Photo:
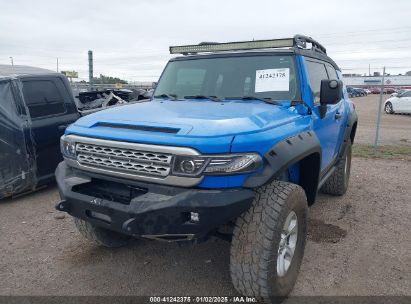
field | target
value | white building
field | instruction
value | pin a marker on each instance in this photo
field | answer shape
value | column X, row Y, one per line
column 397, row 81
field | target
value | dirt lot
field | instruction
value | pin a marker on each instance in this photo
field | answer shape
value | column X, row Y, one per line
column 359, row 244
column 394, row 129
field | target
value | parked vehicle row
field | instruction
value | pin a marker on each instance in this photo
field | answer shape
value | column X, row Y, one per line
column 377, row 90
column 359, row 92
column 356, row 92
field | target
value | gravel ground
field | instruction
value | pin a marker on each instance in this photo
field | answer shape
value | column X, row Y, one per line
column 395, row 129
column 358, row 244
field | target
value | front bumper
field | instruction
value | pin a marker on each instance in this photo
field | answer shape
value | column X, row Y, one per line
column 144, row 209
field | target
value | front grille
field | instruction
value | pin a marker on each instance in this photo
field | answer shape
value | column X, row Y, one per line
column 124, row 160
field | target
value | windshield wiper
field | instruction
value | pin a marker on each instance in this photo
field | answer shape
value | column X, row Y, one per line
column 169, row 96
column 213, row 98
column 266, row 100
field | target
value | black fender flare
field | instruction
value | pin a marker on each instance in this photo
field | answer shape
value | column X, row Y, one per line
column 303, row 146
column 350, row 124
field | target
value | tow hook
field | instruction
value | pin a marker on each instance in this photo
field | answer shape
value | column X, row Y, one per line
column 63, row 206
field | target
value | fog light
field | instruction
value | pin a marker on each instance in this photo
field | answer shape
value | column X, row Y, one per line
column 194, row 217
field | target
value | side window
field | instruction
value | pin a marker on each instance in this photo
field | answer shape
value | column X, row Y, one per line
column 406, row 94
column 332, row 73
column 42, row 98
column 316, row 73
column 7, row 101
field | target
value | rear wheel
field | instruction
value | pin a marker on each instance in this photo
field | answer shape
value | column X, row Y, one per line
column 101, row 236
column 268, row 242
column 337, row 183
column 388, row 108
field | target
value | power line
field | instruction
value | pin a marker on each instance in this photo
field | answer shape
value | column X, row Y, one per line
column 367, row 50
column 378, row 68
column 403, row 28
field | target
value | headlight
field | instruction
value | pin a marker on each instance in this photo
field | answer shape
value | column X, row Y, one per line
column 68, row 148
column 216, row 165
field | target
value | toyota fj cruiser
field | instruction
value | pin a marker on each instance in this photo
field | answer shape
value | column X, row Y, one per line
column 236, row 142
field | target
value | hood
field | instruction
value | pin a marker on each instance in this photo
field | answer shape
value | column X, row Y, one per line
column 192, row 118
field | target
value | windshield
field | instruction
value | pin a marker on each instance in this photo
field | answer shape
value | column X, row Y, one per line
column 262, row 76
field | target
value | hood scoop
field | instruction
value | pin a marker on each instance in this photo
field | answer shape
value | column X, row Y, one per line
column 139, row 128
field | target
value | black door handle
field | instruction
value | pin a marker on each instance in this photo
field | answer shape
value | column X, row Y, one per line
column 338, row 115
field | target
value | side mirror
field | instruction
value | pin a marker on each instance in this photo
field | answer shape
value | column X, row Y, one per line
column 331, row 93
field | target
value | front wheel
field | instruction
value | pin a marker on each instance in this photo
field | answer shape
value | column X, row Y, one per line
column 388, row 108
column 268, row 242
column 101, row 236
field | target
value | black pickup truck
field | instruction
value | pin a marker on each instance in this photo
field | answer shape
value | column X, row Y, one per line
column 36, row 106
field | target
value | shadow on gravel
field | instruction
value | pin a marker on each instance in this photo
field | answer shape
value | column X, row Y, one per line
column 28, row 194
column 90, row 254
column 320, row 232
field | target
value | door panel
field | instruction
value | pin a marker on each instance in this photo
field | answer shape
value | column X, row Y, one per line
column 16, row 168
column 405, row 102
column 51, row 109
column 328, row 129
column 399, row 104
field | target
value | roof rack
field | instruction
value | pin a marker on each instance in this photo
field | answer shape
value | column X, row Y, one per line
column 298, row 41
column 301, row 42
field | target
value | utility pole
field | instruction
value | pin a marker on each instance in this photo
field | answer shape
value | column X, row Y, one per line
column 90, row 68
column 11, row 58
column 57, row 64
column 377, row 131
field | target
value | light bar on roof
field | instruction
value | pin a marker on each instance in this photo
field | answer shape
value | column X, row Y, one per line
column 232, row 46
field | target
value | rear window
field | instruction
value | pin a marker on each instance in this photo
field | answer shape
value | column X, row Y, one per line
column 43, row 98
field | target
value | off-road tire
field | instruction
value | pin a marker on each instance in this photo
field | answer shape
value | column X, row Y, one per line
column 256, row 237
column 101, row 236
column 388, row 108
column 337, row 183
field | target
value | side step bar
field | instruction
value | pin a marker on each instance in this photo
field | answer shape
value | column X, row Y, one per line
column 170, row 237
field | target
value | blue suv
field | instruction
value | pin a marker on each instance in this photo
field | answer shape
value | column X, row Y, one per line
column 236, row 141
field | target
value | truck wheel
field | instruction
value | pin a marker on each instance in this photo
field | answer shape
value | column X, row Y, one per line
column 101, row 236
column 269, row 240
column 337, row 183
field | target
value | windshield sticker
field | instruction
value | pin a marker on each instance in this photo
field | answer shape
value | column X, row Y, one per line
column 272, row 80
